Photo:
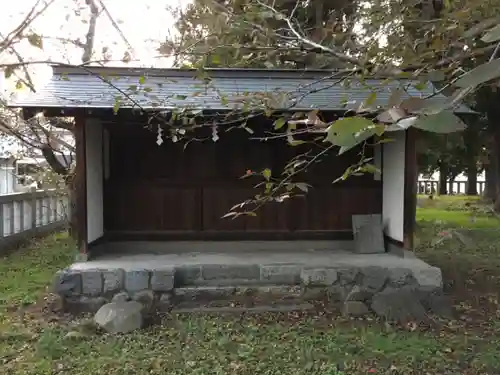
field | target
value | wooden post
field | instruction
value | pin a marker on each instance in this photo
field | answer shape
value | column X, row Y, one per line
column 33, row 211
column 80, row 188
column 410, row 194
column 2, row 219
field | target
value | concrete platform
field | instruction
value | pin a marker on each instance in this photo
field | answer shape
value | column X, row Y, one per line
column 167, row 276
column 305, row 258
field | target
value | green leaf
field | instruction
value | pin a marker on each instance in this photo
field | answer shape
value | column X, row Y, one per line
column 481, row 74
column 302, row 186
column 443, row 122
column 343, row 132
column 35, row 40
column 181, row 97
column 19, row 85
column 142, row 80
column 492, row 35
column 371, row 98
column 296, row 142
column 279, row 123
column 126, row 57
column 420, row 86
column 116, row 105
column 9, row 70
column 148, row 89
column 266, row 173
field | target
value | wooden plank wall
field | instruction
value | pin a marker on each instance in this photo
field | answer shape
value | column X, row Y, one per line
column 172, row 188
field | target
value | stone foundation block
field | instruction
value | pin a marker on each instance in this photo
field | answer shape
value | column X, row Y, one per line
column 162, row 280
column 286, row 274
column 136, row 280
column 164, row 303
column 92, row 283
column 373, row 278
column 337, row 293
column 312, row 293
column 399, row 277
column 246, row 272
column 84, row 304
column 67, row 283
column 399, row 305
column 355, row 308
column 188, row 275
column 348, row 276
column 319, row 276
column 113, row 280
column 205, row 292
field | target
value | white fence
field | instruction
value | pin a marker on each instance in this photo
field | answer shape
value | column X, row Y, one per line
column 26, row 215
column 455, row 187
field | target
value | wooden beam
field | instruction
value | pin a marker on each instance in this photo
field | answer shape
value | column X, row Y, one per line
column 410, row 189
column 80, row 186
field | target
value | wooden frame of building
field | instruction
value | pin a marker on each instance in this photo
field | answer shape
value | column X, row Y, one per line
column 129, row 188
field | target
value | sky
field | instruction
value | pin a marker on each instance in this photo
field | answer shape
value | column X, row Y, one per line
column 145, row 23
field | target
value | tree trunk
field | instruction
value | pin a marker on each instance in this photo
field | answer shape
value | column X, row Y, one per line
column 443, row 173
column 471, row 141
column 491, row 177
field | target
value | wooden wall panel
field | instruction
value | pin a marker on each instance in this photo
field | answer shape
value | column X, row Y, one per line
column 218, row 200
column 173, row 188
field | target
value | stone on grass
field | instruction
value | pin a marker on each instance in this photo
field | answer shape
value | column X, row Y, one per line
column 398, row 305
column 146, row 298
column 121, row 297
column 120, row 317
column 438, row 304
column 355, row 308
column 83, row 304
column 164, row 303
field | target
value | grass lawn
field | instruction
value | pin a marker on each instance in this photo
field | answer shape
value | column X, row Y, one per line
column 34, row 341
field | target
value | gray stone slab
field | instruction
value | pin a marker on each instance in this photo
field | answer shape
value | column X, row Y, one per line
column 113, row 280
column 136, row 280
column 228, row 271
column 188, row 274
column 240, row 309
column 204, row 292
column 373, row 278
column 67, row 283
column 348, row 276
column 286, row 274
column 359, row 221
column 319, row 276
column 355, row 308
column 92, row 283
column 368, row 234
column 162, row 280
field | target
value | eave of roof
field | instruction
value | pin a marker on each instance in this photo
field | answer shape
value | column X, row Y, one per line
column 98, row 88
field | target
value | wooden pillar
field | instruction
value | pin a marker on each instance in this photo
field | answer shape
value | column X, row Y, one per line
column 80, row 188
column 410, row 194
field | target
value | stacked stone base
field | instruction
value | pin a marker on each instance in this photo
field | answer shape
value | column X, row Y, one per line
column 395, row 294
